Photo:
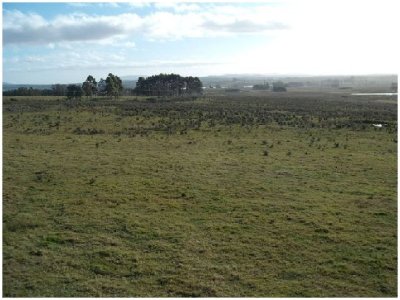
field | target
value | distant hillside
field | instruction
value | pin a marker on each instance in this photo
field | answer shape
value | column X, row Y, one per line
column 11, row 86
column 131, row 77
column 383, row 82
column 129, row 84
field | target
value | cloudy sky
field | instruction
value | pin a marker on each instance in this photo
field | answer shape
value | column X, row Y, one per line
column 65, row 42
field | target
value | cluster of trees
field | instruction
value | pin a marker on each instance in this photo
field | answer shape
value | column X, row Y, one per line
column 24, row 91
column 89, row 86
column 56, row 90
column 156, row 85
column 111, row 87
column 277, row 86
column 168, row 85
column 264, row 86
column 74, row 91
column 59, row 89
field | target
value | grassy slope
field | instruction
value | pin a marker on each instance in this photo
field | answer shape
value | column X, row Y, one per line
column 200, row 214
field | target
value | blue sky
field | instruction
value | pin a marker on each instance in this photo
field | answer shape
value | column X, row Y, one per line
column 65, row 42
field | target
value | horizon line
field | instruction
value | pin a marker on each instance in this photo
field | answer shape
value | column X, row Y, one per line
column 288, row 75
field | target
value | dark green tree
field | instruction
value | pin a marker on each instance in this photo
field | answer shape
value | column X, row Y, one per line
column 264, row 86
column 89, row 87
column 59, row 89
column 279, row 86
column 113, row 85
column 168, row 85
column 74, row 91
column 193, row 85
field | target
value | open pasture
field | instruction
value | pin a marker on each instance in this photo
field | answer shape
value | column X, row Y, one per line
column 290, row 194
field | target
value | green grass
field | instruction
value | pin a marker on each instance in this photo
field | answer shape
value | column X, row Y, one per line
column 203, row 213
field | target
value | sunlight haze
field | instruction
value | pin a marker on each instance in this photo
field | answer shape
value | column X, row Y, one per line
column 63, row 42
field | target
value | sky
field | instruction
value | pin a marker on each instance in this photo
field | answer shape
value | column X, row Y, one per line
column 45, row 43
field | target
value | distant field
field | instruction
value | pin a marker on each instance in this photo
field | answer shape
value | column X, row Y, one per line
column 289, row 195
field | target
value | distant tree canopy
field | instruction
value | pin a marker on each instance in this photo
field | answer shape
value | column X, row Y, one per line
column 89, row 86
column 24, row 91
column 168, row 85
column 113, row 85
column 74, row 91
column 56, row 90
column 59, row 89
column 156, row 85
column 264, row 86
column 101, row 87
column 278, row 86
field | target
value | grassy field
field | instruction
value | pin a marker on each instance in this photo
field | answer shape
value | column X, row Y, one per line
column 269, row 195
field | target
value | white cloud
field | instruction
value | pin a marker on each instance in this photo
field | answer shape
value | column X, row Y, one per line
column 335, row 37
column 34, row 59
column 14, row 19
column 20, row 28
column 89, row 4
column 243, row 26
column 33, row 29
column 87, row 61
column 169, row 26
column 109, row 4
column 303, row 36
column 127, row 45
column 139, row 4
column 177, row 7
column 78, row 4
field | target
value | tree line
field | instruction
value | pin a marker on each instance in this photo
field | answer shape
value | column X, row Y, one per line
column 277, row 86
column 111, row 86
column 168, row 85
column 156, row 85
